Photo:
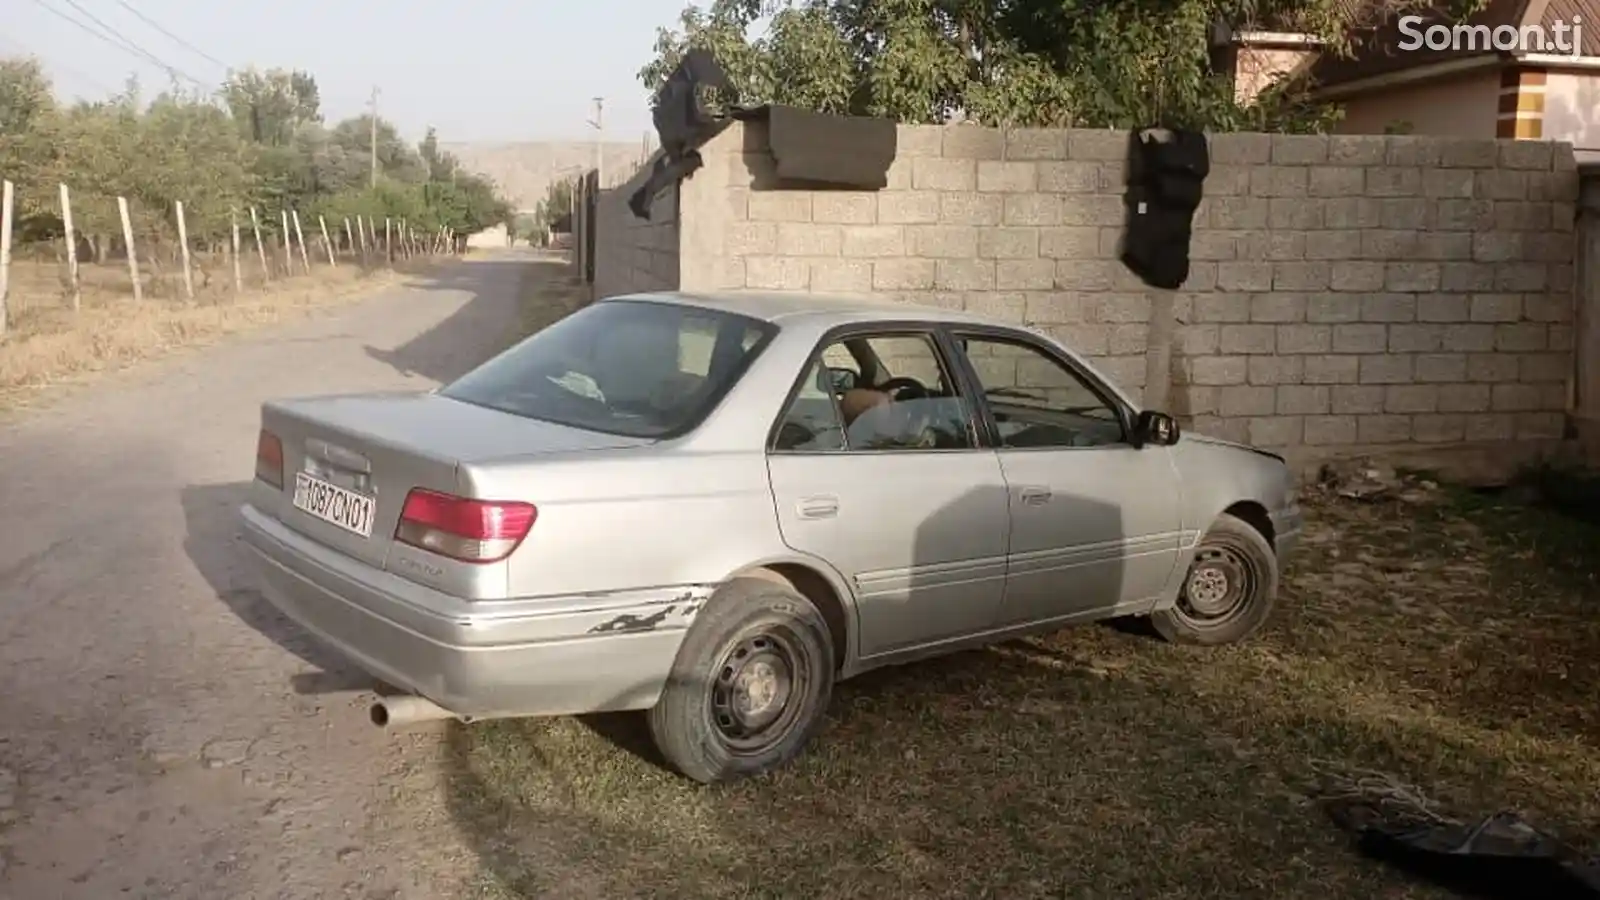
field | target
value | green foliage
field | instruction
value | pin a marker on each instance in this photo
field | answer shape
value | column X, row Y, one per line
column 1050, row 63
column 260, row 142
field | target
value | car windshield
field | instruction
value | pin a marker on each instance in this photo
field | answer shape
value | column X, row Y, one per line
column 624, row 367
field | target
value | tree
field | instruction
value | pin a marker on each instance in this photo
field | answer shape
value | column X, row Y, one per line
column 1086, row 63
column 269, row 106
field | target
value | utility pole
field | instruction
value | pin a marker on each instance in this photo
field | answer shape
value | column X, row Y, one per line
column 374, row 147
column 598, row 124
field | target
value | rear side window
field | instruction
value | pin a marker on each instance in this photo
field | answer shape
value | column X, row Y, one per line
column 623, row 367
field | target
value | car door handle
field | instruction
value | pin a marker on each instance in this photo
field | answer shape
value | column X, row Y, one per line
column 818, row 507
column 1035, row 496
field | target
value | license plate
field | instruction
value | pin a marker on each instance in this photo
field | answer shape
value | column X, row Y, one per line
column 333, row 504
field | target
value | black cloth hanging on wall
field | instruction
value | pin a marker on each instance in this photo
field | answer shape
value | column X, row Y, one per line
column 1165, row 184
column 682, row 125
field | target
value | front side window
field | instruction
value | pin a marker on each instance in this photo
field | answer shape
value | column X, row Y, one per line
column 622, row 367
column 877, row 392
column 1036, row 400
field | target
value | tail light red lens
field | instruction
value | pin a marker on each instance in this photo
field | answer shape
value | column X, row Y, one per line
column 474, row 531
column 269, row 459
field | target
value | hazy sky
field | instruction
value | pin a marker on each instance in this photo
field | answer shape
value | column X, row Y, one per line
column 476, row 70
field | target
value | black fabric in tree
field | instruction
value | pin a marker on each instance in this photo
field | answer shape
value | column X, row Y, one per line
column 1165, row 184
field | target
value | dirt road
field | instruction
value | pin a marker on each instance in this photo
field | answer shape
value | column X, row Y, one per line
column 163, row 733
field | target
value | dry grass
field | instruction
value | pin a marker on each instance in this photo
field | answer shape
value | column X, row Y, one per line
column 1454, row 645
column 47, row 343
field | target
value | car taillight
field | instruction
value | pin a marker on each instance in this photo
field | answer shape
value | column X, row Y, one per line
column 269, row 459
column 475, row 531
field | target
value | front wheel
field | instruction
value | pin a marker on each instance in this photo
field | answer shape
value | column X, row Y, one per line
column 750, row 684
column 1229, row 591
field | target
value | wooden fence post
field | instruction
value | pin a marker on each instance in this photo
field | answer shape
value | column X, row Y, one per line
column 288, row 253
column 261, row 249
column 238, row 269
column 183, row 250
column 7, row 204
column 349, row 236
column 388, row 245
column 71, row 236
column 305, row 259
column 361, row 234
column 322, row 222
column 133, row 254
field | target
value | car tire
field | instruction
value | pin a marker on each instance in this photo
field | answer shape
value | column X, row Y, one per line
column 750, row 685
column 1229, row 590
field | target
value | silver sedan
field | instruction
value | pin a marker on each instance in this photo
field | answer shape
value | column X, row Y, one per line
column 714, row 507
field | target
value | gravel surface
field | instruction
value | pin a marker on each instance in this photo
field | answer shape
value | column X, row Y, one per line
column 166, row 733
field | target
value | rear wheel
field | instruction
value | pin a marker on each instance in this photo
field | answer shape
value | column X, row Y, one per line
column 750, row 684
column 1229, row 591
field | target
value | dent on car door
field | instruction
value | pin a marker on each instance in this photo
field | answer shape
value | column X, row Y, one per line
column 1094, row 520
column 895, row 494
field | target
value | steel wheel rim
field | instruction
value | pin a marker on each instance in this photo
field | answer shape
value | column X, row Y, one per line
column 1221, row 582
column 757, row 691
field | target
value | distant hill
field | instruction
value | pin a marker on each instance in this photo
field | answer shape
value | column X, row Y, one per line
column 525, row 169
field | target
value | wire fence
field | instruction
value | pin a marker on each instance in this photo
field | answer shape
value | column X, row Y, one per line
column 72, row 251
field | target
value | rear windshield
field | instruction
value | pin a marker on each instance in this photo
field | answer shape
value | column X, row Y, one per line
column 621, row 367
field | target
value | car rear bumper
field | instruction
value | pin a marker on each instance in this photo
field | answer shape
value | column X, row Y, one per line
column 543, row 656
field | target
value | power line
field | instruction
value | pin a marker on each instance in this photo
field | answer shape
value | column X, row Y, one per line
column 110, row 36
column 55, row 64
column 175, row 39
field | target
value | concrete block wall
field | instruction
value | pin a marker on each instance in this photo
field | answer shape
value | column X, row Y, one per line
column 634, row 254
column 1345, row 291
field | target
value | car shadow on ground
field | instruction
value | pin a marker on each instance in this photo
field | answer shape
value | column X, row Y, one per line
column 213, row 542
column 510, row 296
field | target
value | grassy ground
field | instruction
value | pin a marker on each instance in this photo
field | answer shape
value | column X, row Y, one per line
column 1454, row 644
column 47, row 343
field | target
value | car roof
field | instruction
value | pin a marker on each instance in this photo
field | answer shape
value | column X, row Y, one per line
column 777, row 306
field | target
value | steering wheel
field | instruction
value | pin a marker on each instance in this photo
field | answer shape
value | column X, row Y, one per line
column 903, row 387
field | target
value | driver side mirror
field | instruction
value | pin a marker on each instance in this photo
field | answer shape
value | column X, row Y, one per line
column 1155, row 428
column 841, row 379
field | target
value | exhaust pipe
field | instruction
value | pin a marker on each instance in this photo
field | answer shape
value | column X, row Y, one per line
column 407, row 709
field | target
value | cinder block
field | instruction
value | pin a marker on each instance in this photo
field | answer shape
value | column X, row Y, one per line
column 1444, row 245
column 1121, row 308
column 840, row 275
column 1548, row 307
column 1050, row 306
column 941, row 174
column 1441, row 308
column 1388, row 308
column 1468, row 153
column 1332, row 369
column 1008, row 243
column 1514, row 397
column 844, row 207
column 751, row 238
column 1090, row 209
column 1535, row 155
column 1025, row 274
column 1247, row 400
column 873, row 240
column 1239, row 213
column 1360, row 338
column 1337, row 181
column 1228, row 180
column 1301, row 276
column 973, row 142
column 1337, row 245
column 1501, row 184
column 1249, row 339
column 1220, row 370
column 1383, row 429
column 1540, row 426
column 1491, row 427
column 1463, row 398
column 780, row 206
column 1439, row 368
column 1299, row 149
column 1276, row 431
column 964, row 275
column 1036, row 143
column 1304, row 399
column 1544, row 367
column 970, row 208
column 1441, row 183
column 1069, row 242
column 1394, row 181
column 908, row 207
column 1413, row 338
column 1463, row 215
column 1411, row 398
column 1357, row 149
column 1068, row 177
column 1333, row 308
column 1244, row 276
column 1520, row 215
column 1492, row 367
column 1274, row 181
column 918, row 140
column 1097, row 144
column 1412, row 151
column 783, row 273
column 1353, row 276
column 1438, row 428
column 1405, row 214
column 808, row 239
column 1031, row 209
column 1198, row 340
column 1497, row 246
column 902, row 274
column 1088, row 275
column 1278, row 308
column 1386, row 369
column 1300, row 339
column 1496, row 308
column 1299, row 214
column 1383, row 243
column 1561, row 337
column 943, row 241
column 1349, row 399
column 1330, row 430
column 1277, row 369
column 1352, row 212
column 1223, row 307
column 1274, row 246
column 1521, row 337
column 1007, row 307
column 1522, row 277
column 1241, row 148
column 1469, row 338
column 1007, row 177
